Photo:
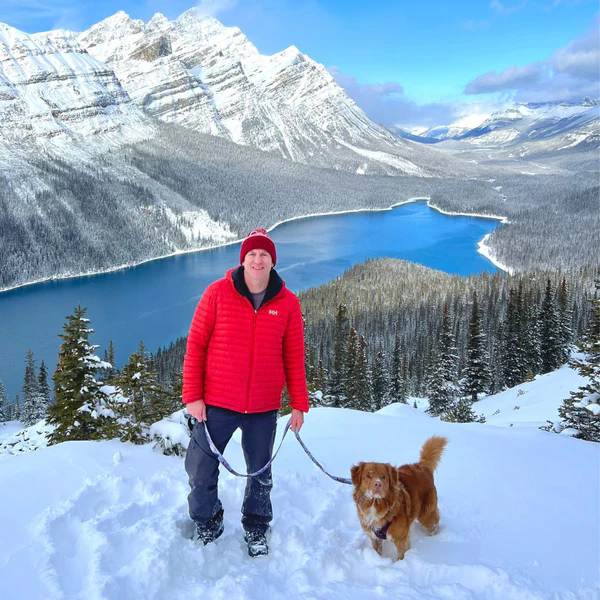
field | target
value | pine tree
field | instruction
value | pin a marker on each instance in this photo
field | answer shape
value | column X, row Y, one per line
column 395, row 392
column 363, row 378
column 443, row 387
column 137, row 402
column 78, row 412
column 514, row 359
column 341, row 331
column 461, row 412
column 581, row 412
column 565, row 317
column 379, row 383
column 531, row 339
column 550, row 332
column 40, row 402
column 30, row 392
column 109, row 372
column 350, row 392
column 3, row 403
column 477, row 373
column 404, row 382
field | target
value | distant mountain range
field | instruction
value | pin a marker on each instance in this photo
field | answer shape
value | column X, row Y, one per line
column 569, row 124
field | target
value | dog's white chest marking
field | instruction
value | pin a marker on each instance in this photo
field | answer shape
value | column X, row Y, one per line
column 370, row 516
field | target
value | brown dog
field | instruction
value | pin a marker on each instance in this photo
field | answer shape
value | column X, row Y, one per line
column 388, row 499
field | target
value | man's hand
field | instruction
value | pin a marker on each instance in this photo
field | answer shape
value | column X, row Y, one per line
column 297, row 419
column 197, row 410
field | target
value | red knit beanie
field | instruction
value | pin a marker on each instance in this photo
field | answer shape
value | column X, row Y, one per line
column 258, row 240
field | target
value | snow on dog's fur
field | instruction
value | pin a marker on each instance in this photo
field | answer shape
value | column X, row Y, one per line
column 388, row 499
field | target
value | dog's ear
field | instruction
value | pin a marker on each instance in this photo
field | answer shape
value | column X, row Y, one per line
column 356, row 473
column 393, row 475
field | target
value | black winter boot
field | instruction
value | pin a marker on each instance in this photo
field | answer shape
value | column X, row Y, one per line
column 257, row 543
column 208, row 532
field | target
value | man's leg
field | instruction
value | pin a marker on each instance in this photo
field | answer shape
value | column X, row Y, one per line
column 258, row 438
column 202, row 465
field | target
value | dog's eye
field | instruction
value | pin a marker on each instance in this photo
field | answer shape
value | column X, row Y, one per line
column 383, row 477
column 368, row 475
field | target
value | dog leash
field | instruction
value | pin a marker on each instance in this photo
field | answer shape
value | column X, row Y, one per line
column 224, row 462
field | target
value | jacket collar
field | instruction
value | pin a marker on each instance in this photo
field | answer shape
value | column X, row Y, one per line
column 275, row 285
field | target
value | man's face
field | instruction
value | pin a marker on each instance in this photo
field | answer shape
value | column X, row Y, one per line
column 257, row 266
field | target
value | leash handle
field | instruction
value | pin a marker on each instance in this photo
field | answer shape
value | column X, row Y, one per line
column 224, row 462
column 308, row 452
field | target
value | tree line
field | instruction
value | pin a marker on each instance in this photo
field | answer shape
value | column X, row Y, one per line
column 428, row 334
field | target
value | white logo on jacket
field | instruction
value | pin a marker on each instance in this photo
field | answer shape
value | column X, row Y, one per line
column 273, row 312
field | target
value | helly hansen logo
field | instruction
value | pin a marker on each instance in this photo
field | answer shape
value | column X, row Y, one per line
column 273, row 312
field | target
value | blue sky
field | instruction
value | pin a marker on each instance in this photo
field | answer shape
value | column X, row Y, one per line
column 412, row 63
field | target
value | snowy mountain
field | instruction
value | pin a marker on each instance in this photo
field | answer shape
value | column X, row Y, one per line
column 524, row 122
column 122, row 74
column 519, row 514
column 197, row 73
column 50, row 87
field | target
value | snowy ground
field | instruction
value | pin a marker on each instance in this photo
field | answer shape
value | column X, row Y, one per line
column 519, row 507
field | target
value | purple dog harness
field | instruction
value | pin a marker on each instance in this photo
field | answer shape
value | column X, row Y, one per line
column 381, row 533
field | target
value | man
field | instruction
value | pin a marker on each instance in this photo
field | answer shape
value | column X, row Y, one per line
column 245, row 342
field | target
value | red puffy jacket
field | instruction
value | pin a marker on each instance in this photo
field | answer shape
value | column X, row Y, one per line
column 239, row 358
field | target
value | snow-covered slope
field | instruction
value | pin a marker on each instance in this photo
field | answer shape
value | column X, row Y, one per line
column 51, row 88
column 519, row 513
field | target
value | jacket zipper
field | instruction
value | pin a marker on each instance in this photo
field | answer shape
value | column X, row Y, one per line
column 254, row 317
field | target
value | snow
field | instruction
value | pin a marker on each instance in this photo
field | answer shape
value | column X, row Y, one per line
column 519, row 506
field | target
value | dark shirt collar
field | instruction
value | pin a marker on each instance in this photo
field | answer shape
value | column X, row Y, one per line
column 274, row 286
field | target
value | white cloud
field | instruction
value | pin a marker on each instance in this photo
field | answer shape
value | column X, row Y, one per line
column 503, row 9
column 569, row 74
column 212, row 8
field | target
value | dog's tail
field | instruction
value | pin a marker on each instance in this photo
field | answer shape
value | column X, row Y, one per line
column 432, row 451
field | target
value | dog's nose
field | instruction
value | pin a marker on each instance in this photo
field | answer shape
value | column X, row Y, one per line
column 377, row 484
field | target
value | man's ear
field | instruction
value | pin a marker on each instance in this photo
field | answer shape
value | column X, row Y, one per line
column 356, row 473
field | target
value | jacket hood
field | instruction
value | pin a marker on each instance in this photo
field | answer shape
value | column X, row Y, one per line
column 274, row 287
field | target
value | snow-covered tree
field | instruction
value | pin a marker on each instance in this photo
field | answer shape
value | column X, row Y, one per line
column 363, row 378
column 341, row 331
column 138, row 401
column 551, row 332
column 514, row 344
column 3, row 403
column 443, row 375
column 476, row 374
column 580, row 414
column 565, row 316
column 350, row 390
column 29, row 409
column 379, row 382
column 79, row 411
column 461, row 412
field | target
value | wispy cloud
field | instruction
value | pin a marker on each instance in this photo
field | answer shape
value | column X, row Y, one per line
column 17, row 13
column 569, row 74
column 472, row 25
column 385, row 103
column 212, row 8
column 504, row 9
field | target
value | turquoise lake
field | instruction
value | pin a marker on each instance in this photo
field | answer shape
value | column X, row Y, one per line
column 156, row 301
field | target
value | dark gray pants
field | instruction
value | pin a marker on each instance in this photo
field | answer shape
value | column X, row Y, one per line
column 202, row 465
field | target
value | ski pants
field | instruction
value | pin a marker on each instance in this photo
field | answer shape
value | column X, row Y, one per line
column 202, row 465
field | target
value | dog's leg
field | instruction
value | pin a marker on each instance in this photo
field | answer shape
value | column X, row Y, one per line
column 402, row 545
column 430, row 516
column 377, row 544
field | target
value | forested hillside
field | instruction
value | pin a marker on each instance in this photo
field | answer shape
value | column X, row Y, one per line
column 182, row 191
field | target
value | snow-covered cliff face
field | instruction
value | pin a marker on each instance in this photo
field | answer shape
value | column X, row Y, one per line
column 197, row 73
column 50, row 87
